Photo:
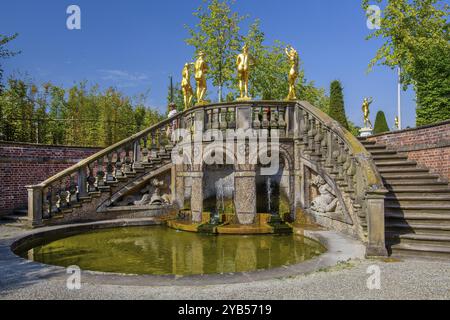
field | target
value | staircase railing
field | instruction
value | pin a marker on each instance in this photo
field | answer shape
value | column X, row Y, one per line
column 78, row 183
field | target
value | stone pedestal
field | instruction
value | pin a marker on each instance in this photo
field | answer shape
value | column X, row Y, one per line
column 365, row 132
column 376, row 246
column 245, row 196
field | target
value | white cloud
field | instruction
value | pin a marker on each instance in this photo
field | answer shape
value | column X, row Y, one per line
column 123, row 78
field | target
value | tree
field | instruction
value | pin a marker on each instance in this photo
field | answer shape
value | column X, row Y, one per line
column 380, row 123
column 417, row 40
column 337, row 109
column 5, row 53
column 217, row 34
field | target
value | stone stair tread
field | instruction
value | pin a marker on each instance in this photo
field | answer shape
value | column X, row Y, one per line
column 415, row 236
column 417, row 183
column 418, row 190
column 421, row 247
column 403, row 175
column 396, row 163
column 418, row 216
column 397, row 170
column 420, row 197
column 390, row 224
column 419, row 206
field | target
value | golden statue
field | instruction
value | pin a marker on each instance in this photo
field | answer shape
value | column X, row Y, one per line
column 365, row 108
column 243, row 63
column 201, row 68
column 293, row 73
column 186, row 87
column 397, row 126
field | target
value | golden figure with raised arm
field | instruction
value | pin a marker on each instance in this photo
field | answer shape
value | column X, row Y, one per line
column 201, row 68
column 186, row 87
column 292, row 55
column 243, row 62
column 365, row 108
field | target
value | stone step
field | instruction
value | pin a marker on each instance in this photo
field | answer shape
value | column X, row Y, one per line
column 388, row 158
column 396, row 163
column 383, row 152
column 416, row 183
column 425, row 218
column 412, row 191
column 437, row 187
column 366, row 142
column 401, row 227
column 383, row 170
column 373, row 146
column 430, row 200
column 412, row 238
column 408, row 175
column 404, row 249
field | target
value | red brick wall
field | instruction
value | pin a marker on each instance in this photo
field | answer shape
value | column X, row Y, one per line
column 428, row 145
column 25, row 164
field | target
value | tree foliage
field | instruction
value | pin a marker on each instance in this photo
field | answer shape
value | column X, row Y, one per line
column 5, row 53
column 416, row 38
column 80, row 115
column 380, row 125
column 337, row 108
column 217, row 34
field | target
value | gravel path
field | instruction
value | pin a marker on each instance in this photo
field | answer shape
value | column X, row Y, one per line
column 406, row 279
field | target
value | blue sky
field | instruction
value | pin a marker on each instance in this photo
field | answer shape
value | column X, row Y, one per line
column 136, row 45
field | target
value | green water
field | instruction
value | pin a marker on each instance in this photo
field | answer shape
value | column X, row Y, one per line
column 159, row 250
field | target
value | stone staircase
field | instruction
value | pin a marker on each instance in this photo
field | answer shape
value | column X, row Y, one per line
column 417, row 207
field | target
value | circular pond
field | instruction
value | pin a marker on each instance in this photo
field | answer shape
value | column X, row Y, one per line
column 158, row 250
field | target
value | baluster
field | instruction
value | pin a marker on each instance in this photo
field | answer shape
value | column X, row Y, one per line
column 223, row 119
column 282, row 122
column 209, row 118
column 73, row 191
column 329, row 150
column 232, row 118
column 215, row 124
column 305, row 128
column 63, row 195
column 109, row 171
column 127, row 161
column 118, row 173
column 145, row 151
column 47, row 203
column 91, row 178
column 82, row 183
column 311, row 134
column 137, row 156
column 256, row 122
column 153, row 145
column 273, row 118
column 161, row 141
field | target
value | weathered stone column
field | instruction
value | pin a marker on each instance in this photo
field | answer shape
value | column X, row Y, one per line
column 34, row 206
column 297, row 176
column 376, row 246
column 177, row 186
column 197, row 196
column 245, row 196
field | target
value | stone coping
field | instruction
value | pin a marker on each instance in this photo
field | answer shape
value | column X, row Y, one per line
column 19, row 271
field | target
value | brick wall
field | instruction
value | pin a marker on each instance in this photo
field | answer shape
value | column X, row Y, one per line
column 428, row 145
column 24, row 164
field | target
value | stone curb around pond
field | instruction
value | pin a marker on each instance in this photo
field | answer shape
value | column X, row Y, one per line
column 340, row 248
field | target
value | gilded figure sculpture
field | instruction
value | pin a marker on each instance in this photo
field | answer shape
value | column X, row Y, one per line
column 201, row 68
column 243, row 62
column 186, row 87
column 292, row 55
column 366, row 111
column 396, row 122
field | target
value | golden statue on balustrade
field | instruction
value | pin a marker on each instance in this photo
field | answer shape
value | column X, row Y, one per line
column 186, row 87
column 396, row 122
column 292, row 55
column 243, row 62
column 366, row 111
column 201, row 68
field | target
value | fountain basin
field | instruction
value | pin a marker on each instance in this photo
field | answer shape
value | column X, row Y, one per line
column 158, row 250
